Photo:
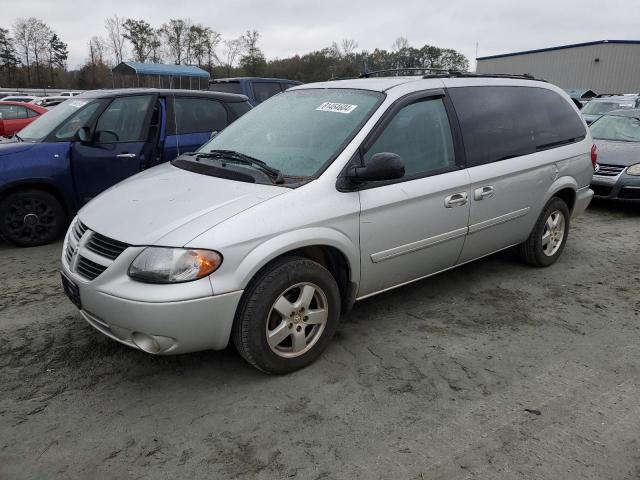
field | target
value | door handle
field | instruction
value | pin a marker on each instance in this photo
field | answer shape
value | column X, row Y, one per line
column 126, row 155
column 456, row 200
column 483, row 192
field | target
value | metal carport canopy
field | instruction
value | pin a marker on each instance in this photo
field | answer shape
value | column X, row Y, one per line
column 139, row 68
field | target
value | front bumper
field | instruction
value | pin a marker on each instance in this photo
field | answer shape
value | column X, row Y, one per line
column 170, row 327
column 623, row 187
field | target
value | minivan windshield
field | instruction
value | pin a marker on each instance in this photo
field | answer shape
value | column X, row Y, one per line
column 616, row 127
column 42, row 127
column 297, row 132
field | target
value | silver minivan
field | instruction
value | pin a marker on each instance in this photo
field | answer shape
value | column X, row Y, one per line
column 323, row 195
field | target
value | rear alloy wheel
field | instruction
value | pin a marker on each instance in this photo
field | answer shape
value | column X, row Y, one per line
column 31, row 217
column 549, row 236
column 287, row 315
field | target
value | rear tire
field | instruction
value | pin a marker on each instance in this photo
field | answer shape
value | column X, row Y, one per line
column 31, row 217
column 287, row 315
column 549, row 236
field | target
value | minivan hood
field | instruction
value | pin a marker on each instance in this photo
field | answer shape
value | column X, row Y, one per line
column 169, row 206
column 11, row 147
column 623, row 154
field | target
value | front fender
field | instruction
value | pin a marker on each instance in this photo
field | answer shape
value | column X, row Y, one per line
column 263, row 253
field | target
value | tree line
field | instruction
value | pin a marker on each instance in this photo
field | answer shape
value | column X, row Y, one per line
column 33, row 55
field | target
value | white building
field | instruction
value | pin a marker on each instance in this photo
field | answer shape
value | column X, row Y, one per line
column 604, row 66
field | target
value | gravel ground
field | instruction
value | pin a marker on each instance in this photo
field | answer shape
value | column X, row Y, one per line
column 493, row 370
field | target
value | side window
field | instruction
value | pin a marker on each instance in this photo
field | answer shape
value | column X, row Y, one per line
column 199, row 115
column 79, row 119
column 557, row 123
column 31, row 113
column 421, row 135
column 7, row 112
column 124, row 120
column 13, row 112
column 499, row 123
column 264, row 90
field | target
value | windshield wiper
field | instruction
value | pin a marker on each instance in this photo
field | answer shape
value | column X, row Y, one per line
column 245, row 160
column 15, row 135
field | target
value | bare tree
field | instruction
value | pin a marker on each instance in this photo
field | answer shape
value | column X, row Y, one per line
column 115, row 37
column 41, row 36
column 400, row 43
column 232, row 49
column 22, row 37
column 348, row 47
column 213, row 41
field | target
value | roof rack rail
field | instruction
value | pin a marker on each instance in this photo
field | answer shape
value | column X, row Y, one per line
column 429, row 72
column 403, row 71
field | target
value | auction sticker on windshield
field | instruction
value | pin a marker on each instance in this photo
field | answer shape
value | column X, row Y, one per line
column 336, row 107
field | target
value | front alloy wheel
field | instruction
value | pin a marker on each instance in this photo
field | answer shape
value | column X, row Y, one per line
column 287, row 315
column 296, row 320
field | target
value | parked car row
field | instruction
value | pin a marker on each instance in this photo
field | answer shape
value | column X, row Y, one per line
column 323, row 195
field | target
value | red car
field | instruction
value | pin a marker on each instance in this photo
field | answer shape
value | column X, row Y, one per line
column 14, row 116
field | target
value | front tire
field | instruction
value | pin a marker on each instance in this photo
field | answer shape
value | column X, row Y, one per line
column 549, row 236
column 287, row 316
column 31, row 217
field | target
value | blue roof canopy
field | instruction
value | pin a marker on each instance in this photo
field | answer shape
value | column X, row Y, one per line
column 139, row 68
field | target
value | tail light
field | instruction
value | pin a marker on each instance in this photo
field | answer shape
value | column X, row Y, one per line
column 594, row 155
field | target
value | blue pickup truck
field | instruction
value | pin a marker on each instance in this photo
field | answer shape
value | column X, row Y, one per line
column 92, row 141
column 257, row 89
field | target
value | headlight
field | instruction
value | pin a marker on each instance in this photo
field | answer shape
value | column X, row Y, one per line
column 173, row 265
column 634, row 169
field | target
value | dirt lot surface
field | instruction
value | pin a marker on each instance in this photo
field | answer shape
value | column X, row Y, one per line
column 494, row 370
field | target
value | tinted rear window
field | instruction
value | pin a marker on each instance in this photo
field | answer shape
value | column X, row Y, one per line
column 239, row 108
column 226, row 87
column 504, row 122
column 194, row 115
column 264, row 90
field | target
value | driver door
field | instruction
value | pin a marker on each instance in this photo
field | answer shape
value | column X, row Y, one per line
column 121, row 137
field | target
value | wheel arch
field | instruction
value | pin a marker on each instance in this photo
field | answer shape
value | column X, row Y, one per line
column 40, row 184
column 564, row 188
column 330, row 248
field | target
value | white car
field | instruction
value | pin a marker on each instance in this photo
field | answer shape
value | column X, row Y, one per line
column 21, row 98
column 68, row 94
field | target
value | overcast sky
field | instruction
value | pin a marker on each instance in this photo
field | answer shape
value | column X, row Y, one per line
column 289, row 27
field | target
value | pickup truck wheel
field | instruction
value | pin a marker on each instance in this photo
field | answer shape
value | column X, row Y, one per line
column 287, row 316
column 549, row 236
column 31, row 217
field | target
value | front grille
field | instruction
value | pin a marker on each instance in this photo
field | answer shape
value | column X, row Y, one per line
column 605, row 170
column 88, row 269
column 69, row 252
column 78, row 230
column 630, row 193
column 601, row 190
column 105, row 246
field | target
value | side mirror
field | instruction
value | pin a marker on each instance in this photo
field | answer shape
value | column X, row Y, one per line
column 381, row 166
column 84, row 135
